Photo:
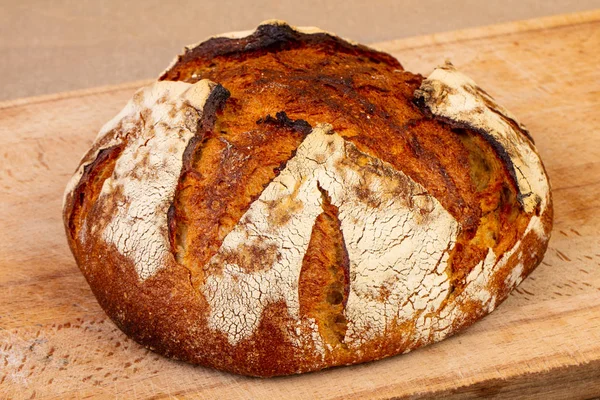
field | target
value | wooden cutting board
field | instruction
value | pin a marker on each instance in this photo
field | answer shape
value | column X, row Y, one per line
column 55, row 341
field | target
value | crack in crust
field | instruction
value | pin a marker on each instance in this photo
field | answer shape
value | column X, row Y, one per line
column 282, row 120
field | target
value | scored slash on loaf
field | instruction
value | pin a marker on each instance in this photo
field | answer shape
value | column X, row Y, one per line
column 283, row 201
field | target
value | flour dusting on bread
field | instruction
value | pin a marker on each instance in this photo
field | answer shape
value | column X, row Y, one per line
column 397, row 247
column 378, row 213
column 165, row 117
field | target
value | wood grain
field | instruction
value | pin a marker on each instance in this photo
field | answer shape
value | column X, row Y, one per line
column 55, row 341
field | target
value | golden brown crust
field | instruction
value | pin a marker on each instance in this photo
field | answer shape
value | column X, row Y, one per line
column 223, row 174
column 320, row 78
column 275, row 86
column 324, row 281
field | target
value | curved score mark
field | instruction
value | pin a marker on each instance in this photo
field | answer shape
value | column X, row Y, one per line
column 88, row 189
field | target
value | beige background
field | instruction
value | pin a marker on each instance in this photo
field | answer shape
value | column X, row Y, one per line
column 63, row 45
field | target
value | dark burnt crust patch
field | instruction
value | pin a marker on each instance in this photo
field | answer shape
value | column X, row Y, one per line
column 212, row 196
column 281, row 119
column 215, row 102
column 271, row 38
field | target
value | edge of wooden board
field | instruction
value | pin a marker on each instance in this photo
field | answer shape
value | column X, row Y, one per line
column 549, row 22
column 73, row 93
column 569, row 381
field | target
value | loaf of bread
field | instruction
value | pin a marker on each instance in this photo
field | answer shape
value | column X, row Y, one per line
column 282, row 201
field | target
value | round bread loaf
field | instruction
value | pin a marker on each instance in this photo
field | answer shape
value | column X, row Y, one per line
column 283, row 201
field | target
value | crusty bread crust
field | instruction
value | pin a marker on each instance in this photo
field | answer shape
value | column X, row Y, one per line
column 286, row 201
